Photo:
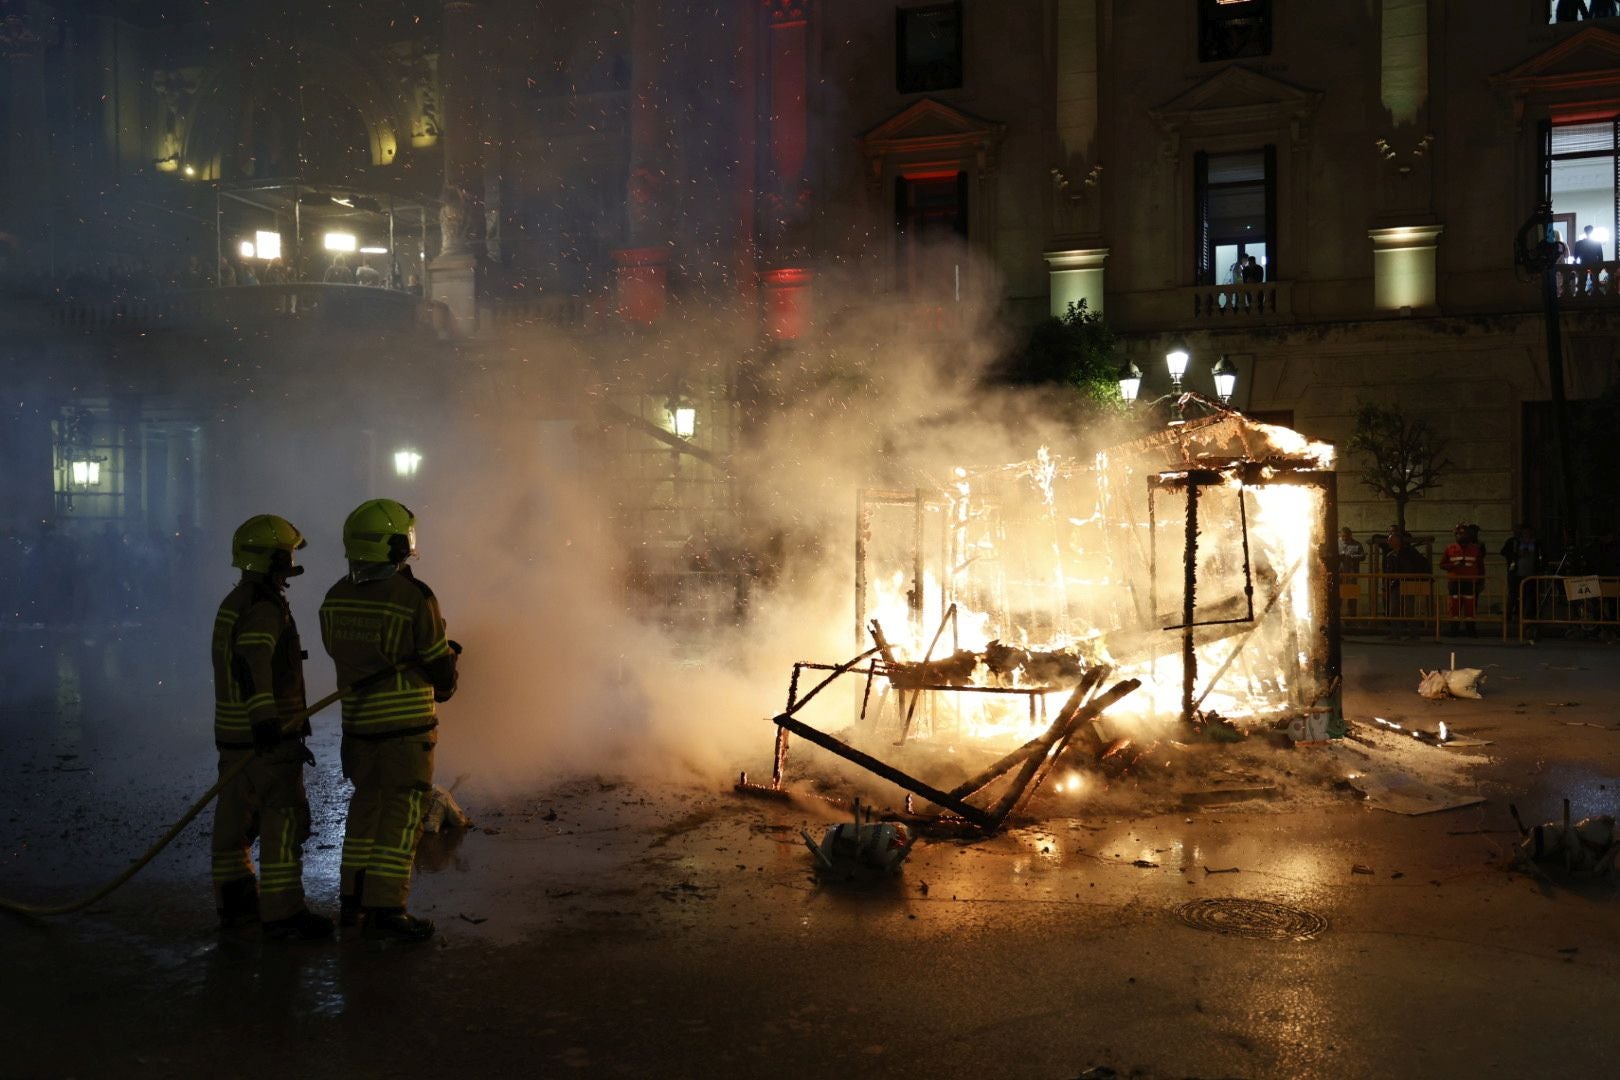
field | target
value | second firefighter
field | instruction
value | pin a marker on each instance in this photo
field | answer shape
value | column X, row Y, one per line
column 376, row 618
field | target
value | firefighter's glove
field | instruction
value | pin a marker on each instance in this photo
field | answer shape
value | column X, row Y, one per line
column 455, row 646
column 266, row 735
column 308, row 754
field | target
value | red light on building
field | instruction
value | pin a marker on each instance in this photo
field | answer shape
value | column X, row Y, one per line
column 642, row 283
column 786, row 303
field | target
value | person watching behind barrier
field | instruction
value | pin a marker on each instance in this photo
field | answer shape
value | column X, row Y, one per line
column 1464, row 564
column 1522, row 554
column 1402, row 558
column 1352, row 553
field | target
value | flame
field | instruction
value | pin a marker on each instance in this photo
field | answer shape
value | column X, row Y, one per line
column 1047, row 555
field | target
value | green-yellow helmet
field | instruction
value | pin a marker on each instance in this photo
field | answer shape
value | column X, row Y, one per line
column 379, row 531
column 257, row 540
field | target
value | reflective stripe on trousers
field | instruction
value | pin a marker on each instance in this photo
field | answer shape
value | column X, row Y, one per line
column 393, row 780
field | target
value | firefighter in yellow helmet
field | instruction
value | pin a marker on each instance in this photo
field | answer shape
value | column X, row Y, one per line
column 258, row 687
column 375, row 617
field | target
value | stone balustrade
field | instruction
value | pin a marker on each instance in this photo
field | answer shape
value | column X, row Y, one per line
column 1593, row 283
column 1240, row 302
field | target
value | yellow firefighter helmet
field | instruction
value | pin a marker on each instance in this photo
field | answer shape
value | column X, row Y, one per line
column 258, row 540
column 379, row 531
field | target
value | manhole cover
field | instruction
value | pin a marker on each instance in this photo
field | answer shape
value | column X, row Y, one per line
column 1252, row 918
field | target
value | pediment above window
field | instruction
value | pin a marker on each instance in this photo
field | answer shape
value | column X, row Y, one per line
column 1236, row 100
column 930, row 125
column 1587, row 59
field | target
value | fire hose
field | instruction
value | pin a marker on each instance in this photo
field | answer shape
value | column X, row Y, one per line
column 291, row 726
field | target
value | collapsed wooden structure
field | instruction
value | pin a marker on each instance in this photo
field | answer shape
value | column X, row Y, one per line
column 1033, row 760
column 1200, row 558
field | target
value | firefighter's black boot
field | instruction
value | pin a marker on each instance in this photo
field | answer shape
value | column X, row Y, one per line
column 396, row 924
column 304, row 926
column 349, row 911
column 239, row 903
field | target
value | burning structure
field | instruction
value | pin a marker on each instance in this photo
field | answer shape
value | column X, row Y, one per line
column 1195, row 566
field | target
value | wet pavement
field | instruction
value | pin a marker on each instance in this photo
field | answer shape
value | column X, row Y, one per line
column 606, row 926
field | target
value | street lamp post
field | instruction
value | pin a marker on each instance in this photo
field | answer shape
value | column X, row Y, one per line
column 1130, row 382
column 1225, row 375
column 1176, row 362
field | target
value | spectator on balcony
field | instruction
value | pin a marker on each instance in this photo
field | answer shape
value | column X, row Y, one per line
column 1587, row 250
column 1588, row 253
column 273, row 273
column 227, row 274
column 245, row 275
column 1253, row 272
column 366, row 274
column 338, row 273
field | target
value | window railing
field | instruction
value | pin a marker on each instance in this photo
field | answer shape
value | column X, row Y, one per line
column 562, row 311
column 351, row 306
column 1262, row 300
column 1591, row 282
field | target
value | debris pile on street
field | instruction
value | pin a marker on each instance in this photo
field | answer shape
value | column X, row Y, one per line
column 861, row 848
column 1452, row 682
column 1588, row 847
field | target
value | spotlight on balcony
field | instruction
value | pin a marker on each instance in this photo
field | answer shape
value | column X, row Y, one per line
column 406, row 462
column 245, row 249
column 268, row 244
column 339, row 241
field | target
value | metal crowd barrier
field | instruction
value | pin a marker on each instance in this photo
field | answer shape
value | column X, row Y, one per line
column 1587, row 605
column 1417, row 603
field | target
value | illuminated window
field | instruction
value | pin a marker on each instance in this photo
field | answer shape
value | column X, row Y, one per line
column 928, row 48
column 1233, row 29
column 1235, row 201
column 1580, row 163
column 1561, row 11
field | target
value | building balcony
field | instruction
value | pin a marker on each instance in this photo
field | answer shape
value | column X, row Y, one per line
column 314, row 305
column 559, row 311
column 1265, row 301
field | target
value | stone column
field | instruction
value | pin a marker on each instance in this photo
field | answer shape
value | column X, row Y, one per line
column 453, row 275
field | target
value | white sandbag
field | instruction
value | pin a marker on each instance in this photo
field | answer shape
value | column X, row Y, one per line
column 1464, row 682
column 1433, row 684
column 1456, row 682
column 443, row 812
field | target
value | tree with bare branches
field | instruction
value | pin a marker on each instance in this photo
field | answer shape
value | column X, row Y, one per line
column 1405, row 457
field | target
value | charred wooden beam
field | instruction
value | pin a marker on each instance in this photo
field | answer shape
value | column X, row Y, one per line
column 835, row 745
column 988, row 774
column 1076, row 714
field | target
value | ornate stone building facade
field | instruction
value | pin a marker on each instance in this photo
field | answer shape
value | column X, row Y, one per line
column 600, row 169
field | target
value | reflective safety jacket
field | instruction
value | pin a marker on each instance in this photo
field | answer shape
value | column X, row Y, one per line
column 258, row 662
column 369, row 626
column 1463, row 561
